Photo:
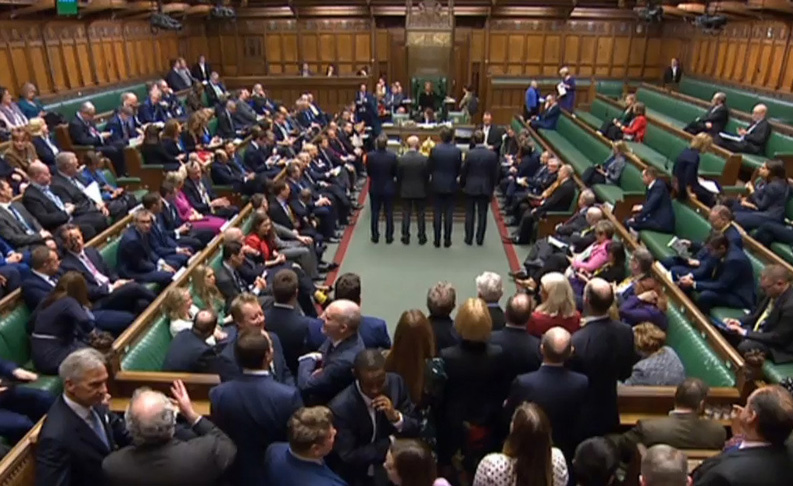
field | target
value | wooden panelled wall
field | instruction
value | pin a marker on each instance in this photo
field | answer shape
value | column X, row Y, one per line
column 756, row 54
column 69, row 56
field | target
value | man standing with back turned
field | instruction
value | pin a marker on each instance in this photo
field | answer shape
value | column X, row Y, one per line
column 478, row 178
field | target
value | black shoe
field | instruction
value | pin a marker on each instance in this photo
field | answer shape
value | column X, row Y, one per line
column 357, row 206
column 375, row 239
column 405, row 241
column 480, row 243
column 447, row 243
column 422, row 241
column 469, row 242
column 509, row 239
column 338, row 234
column 388, row 241
column 436, row 244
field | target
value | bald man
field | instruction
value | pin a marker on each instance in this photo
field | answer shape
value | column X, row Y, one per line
column 412, row 178
column 752, row 139
column 560, row 392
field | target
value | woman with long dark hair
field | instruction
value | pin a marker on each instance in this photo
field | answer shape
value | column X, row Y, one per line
column 527, row 458
column 414, row 344
column 409, row 462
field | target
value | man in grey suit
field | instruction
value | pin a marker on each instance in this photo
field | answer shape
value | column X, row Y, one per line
column 244, row 117
column 412, row 178
column 17, row 226
column 157, row 457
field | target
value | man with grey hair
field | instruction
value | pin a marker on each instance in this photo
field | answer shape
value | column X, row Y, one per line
column 663, row 465
column 441, row 300
column 560, row 392
column 749, row 140
column 323, row 374
column 712, row 121
column 83, row 131
column 79, row 430
column 412, row 178
column 156, row 456
column 557, row 197
column 490, row 288
column 67, row 182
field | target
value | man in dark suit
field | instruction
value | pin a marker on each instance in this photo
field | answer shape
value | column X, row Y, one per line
column 382, row 169
column 558, row 197
column 549, row 117
column 323, row 374
column 79, row 430
column 412, row 178
column 285, row 320
column 175, row 78
column 185, row 234
column 604, row 352
column 729, row 282
column 83, row 131
column 770, row 327
column 656, row 213
column 189, row 351
column 201, row 196
column 45, row 265
column 752, row 139
column 493, row 134
column 244, row 116
column 561, row 393
column 51, row 210
column 253, row 409
column 490, row 289
column 174, row 252
column 441, row 300
column 673, row 73
column 227, row 127
column 444, row 163
column 201, row 70
column 105, row 289
column 366, row 414
column 372, row 330
column 17, row 226
column 229, row 170
column 120, row 127
column 521, row 349
column 21, row 406
column 166, row 460
column 230, row 278
column 478, row 178
column 215, row 90
column 684, row 428
column 71, row 188
column 137, row 259
column 714, row 120
column 761, row 458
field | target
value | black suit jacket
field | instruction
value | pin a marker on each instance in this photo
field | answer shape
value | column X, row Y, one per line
column 193, row 194
column 15, row 233
column 718, row 116
column 279, row 215
column 560, row 199
column 69, row 452
column 445, row 162
column 158, row 154
column 227, row 128
column 759, row 135
column 201, row 461
column 188, row 353
column 561, row 394
column 755, row 466
column 443, row 329
column 354, row 446
column 479, row 173
column 382, row 168
column 34, row 290
column 672, row 77
column 521, row 350
column 604, row 352
column 412, row 175
column 70, row 262
column 199, row 74
column 291, row 327
column 777, row 332
column 175, row 81
column 81, row 134
column 494, row 137
column 497, row 316
column 43, row 209
column 44, row 152
column 70, row 194
column 574, row 224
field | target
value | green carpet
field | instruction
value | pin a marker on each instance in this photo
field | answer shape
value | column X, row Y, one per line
column 396, row 277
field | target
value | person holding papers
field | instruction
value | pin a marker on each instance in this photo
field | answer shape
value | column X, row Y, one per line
column 566, row 90
column 749, row 140
column 685, row 172
column 118, row 201
column 766, row 201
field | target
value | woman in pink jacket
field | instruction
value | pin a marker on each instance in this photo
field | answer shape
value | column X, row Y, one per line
column 186, row 211
column 586, row 263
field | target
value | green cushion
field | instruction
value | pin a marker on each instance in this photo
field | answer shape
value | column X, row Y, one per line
column 48, row 383
column 721, row 313
column 14, row 336
column 776, row 373
column 566, row 149
column 784, row 250
column 212, row 126
column 688, row 225
column 110, row 253
column 610, row 88
column 699, row 359
column 148, row 354
column 738, row 99
column 588, row 118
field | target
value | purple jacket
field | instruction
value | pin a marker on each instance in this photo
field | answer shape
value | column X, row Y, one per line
column 634, row 311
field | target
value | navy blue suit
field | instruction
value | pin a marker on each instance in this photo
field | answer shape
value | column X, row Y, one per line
column 359, row 443
column 701, row 252
column 253, row 410
column 191, row 190
column 444, row 166
column 44, row 152
column 381, row 166
column 119, row 130
column 561, row 394
column 657, row 213
column 35, row 289
column 479, row 176
column 138, row 260
column 149, row 112
column 20, row 406
column 521, row 350
column 281, row 370
column 770, row 199
column 285, row 469
column 291, row 327
column 728, row 283
column 336, row 372
column 547, row 120
column 686, row 173
column 188, row 353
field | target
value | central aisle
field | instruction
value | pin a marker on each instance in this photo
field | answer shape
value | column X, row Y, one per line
column 396, row 277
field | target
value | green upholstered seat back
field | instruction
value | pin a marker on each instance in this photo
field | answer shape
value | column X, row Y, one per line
column 739, row 99
column 110, row 253
column 631, row 179
column 213, row 126
column 14, row 335
column 699, row 360
column 689, row 224
column 609, row 87
column 604, row 111
column 669, row 106
column 149, row 353
column 778, row 143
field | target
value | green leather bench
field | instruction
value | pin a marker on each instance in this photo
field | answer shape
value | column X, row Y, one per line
column 688, row 225
column 609, row 87
column 783, row 249
column 103, row 102
column 722, row 313
column 778, row 145
column 776, row 373
column 15, row 346
column 122, row 181
column 738, row 99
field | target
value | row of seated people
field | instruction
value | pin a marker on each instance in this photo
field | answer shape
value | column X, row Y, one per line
column 503, row 386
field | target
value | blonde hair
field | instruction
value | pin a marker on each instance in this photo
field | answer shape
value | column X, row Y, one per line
column 621, row 147
column 173, row 302
column 649, row 338
column 210, row 295
column 473, row 322
column 176, row 177
column 36, row 125
column 558, row 297
column 701, row 141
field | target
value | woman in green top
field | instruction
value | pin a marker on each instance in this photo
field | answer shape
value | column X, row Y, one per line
column 206, row 294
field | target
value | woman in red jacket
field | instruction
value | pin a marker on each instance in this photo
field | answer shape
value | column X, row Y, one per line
column 262, row 239
column 638, row 126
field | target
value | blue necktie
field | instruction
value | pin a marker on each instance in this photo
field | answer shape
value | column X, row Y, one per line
column 55, row 199
column 19, row 218
column 96, row 425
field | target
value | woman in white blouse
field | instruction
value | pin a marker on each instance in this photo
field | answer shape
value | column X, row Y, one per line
column 528, row 458
column 179, row 308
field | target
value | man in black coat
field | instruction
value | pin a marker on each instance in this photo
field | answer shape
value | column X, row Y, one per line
column 521, row 349
column 604, row 352
column 441, row 300
column 366, row 414
column 199, row 192
column 673, row 73
column 558, row 391
column 560, row 198
column 79, row 431
column 189, row 351
column 285, row 320
column 761, row 458
column 769, row 328
column 493, row 134
column 17, row 226
column 83, row 131
column 479, row 176
column 714, row 120
column 412, row 178
column 201, row 70
column 752, row 139
column 382, row 170
column 444, row 163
